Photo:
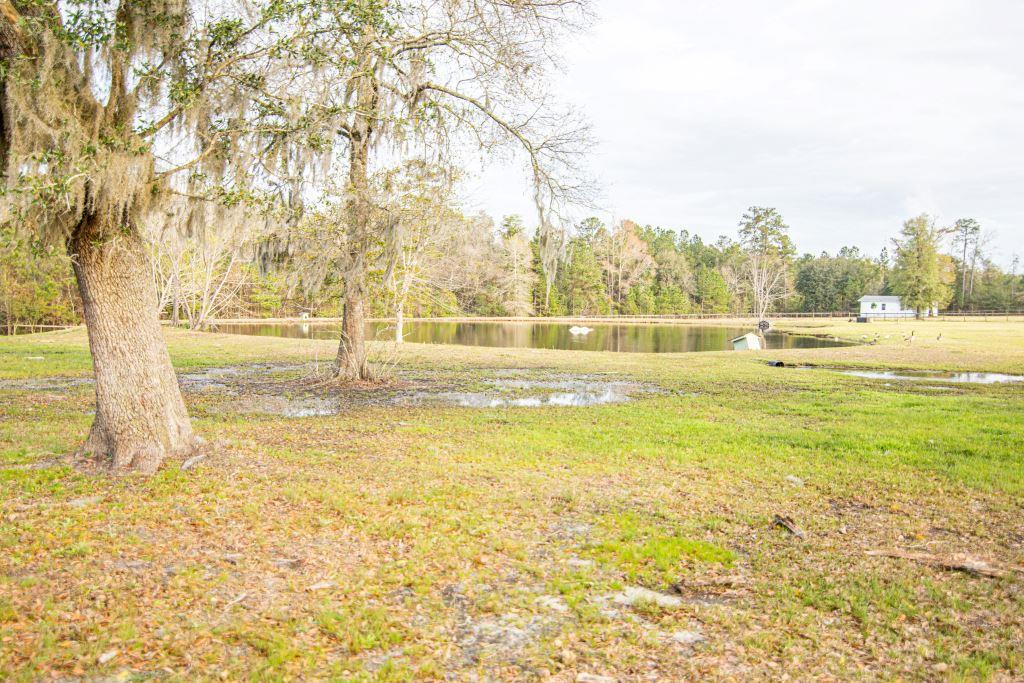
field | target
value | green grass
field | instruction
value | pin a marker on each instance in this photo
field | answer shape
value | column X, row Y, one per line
column 358, row 630
column 648, row 554
column 415, row 543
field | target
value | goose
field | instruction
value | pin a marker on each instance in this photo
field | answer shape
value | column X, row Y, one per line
column 579, row 330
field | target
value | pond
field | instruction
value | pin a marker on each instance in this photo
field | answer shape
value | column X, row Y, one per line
column 542, row 335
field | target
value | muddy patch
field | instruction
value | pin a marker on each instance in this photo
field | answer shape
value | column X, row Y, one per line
column 238, row 377
column 490, row 638
column 517, row 392
column 210, row 378
column 301, row 398
column 303, row 406
column 302, row 390
column 44, row 383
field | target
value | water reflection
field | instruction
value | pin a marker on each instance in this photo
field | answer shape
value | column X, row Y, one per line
column 538, row 335
column 958, row 377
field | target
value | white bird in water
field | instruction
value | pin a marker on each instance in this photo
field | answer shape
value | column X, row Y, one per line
column 579, row 330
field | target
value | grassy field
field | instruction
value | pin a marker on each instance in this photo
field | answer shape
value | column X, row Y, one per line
column 631, row 541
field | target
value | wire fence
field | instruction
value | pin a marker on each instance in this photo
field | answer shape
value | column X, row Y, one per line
column 29, row 328
column 880, row 316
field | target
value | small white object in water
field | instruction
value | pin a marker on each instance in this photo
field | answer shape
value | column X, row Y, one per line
column 748, row 342
column 579, row 330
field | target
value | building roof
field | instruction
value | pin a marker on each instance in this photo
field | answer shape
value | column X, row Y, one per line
column 743, row 336
column 880, row 299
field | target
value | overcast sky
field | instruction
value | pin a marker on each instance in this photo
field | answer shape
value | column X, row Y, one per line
column 849, row 117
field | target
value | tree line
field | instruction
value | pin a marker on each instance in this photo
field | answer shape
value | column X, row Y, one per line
column 452, row 264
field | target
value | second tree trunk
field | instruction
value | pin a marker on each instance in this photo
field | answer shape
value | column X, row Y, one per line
column 351, row 363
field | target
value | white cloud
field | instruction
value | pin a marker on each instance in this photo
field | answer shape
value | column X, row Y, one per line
column 848, row 117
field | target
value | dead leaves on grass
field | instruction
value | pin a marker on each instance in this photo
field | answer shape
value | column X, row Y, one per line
column 960, row 562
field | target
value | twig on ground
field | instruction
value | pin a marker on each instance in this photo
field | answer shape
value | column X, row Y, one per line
column 789, row 525
column 959, row 562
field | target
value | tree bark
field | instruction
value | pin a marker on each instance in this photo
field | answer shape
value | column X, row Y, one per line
column 176, row 303
column 351, row 363
column 140, row 415
column 963, row 267
column 399, row 323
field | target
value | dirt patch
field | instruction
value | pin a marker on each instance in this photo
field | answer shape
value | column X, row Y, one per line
column 297, row 391
column 300, row 390
column 44, row 383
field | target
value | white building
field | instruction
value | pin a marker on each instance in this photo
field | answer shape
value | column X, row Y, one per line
column 888, row 307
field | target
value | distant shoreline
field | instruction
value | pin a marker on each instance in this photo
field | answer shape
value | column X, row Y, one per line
column 719, row 319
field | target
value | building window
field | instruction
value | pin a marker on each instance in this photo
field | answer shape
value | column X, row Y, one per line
column 883, row 307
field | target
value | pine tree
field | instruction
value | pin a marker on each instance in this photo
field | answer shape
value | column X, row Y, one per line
column 918, row 276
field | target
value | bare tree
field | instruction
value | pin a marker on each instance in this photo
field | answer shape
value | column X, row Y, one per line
column 965, row 235
column 625, row 259
column 420, row 203
column 1014, row 265
column 200, row 277
column 450, row 76
column 765, row 241
column 471, row 268
column 518, row 275
column 981, row 242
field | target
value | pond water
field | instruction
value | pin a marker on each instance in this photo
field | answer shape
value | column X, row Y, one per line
column 958, row 377
column 540, row 335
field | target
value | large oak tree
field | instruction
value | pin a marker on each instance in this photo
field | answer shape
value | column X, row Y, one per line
column 112, row 108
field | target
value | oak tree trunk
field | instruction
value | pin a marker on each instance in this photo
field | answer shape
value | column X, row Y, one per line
column 140, row 415
column 351, row 363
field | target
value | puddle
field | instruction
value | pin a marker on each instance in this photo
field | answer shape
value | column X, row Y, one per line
column 44, row 383
column 525, row 393
column 199, row 380
column 561, row 391
column 262, row 389
column 471, row 399
column 306, row 406
column 210, row 378
column 956, row 377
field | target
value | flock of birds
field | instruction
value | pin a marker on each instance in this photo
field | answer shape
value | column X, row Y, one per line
column 908, row 338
